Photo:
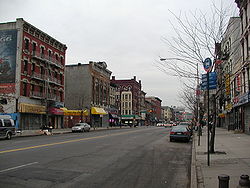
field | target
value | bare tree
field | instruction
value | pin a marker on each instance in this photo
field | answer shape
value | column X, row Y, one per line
column 196, row 35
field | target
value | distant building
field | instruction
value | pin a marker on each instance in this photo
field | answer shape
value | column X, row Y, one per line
column 131, row 100
column 31, row 75
column 168, row 113
column 114, row 109
column 155, row 110
column 87, row 87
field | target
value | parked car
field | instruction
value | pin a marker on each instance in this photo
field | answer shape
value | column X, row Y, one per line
column 160, row 124
column 180, row 133
column 81, row 127
column 168, row 125
column 188, row 125
column 7, row 127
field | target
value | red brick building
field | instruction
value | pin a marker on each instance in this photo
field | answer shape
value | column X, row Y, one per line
column 154, row 103
column 129, row 99
column 37, row 63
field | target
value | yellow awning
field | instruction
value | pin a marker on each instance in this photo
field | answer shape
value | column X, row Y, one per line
column 96, row 110
column 31, row 108
column 67, row 112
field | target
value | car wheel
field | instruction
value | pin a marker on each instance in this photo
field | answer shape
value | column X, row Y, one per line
column 8, row 136
column 171, row 140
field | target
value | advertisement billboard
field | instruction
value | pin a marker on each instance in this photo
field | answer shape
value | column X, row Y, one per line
column 8, row 50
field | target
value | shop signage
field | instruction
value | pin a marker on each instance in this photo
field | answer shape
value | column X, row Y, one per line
column 229, row 107
column 243, row 99
column 227, row 84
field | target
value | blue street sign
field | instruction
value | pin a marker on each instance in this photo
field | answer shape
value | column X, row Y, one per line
column 212, row 81
column 207, row 63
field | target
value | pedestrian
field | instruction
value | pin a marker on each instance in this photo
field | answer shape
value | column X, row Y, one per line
column 50, row 128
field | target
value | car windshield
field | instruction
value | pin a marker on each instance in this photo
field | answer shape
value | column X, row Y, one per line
column 77, row 125
column 184, row 123
column 177, row 129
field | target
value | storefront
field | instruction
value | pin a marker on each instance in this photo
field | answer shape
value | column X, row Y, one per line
column 113, row 120
column 32, row 116
column 56, row 117
column 131, row 120
column 99, row 117
column 241, row 104
column 71, row 117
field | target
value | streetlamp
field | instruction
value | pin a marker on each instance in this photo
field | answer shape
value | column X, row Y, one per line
column 197, row 99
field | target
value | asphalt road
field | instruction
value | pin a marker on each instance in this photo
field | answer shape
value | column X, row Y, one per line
column 137, row 157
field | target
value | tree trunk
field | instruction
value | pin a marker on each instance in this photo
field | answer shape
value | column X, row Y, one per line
column 212, row 140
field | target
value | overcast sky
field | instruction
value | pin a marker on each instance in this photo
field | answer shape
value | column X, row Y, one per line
column 126, row 34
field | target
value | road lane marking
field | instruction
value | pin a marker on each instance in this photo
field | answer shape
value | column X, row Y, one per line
column 69, row 141
column 13, row 168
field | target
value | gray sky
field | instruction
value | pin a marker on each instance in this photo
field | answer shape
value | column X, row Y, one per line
column 126, row 34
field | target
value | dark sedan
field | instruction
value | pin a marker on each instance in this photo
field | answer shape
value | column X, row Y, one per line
column 180, row 133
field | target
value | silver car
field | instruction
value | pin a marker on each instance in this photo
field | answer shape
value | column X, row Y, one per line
column 81, row 127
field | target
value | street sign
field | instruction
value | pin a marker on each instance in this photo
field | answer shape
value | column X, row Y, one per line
column 212, row 81
column 207, row 63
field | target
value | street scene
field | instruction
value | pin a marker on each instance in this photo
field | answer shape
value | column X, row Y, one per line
column 125, row 94
column 137, row 157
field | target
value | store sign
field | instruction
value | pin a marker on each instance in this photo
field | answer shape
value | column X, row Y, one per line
column 229, row 107
column 227, row 84
column 243, row 99
column 238, row 82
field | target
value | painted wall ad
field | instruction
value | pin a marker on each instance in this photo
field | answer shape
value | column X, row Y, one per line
column 8, row 50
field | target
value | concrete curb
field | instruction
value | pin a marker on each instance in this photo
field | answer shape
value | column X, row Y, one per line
column 193, row 183
column 18, row 135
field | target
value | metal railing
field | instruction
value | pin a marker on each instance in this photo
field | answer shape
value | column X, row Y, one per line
column 47, row 58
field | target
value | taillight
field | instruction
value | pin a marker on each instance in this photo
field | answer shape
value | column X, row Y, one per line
column 171, row 132
column 186, row 133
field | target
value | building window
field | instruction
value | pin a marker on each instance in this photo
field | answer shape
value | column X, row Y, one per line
column 25, row 65
column 34, row 48
column 41, row 89
column 56, row 57
column 26, row 44
column 24, row 89
column 50, row 54
column 33, row 67
column 61, row 96
column 32, row 88
column 62, row 60
column 61, row 78
column 42, row 51
column 42, row 70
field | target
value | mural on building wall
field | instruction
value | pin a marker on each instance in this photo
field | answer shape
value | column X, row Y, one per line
column 8, row 49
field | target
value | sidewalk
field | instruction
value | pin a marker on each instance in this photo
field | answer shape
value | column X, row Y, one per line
column 232, row 158
column 61, row 131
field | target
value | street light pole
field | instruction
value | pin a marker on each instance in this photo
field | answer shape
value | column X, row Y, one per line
column 198, row 106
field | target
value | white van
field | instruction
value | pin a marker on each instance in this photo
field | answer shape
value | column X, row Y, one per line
column 7, row 127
